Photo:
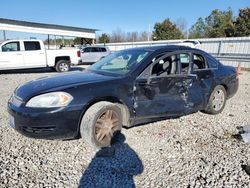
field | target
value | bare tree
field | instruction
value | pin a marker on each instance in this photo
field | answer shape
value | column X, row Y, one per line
column 117, row 36
column 132, row 37
column 144, row 36
column 182, row 25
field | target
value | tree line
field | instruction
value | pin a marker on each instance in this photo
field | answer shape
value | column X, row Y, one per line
column 217, row 24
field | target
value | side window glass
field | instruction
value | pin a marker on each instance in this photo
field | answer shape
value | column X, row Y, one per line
column 199, row 62
column 212, row 63
column 165, row 66
column 103, row 50
column 11, row 47
column 95, row 49
column 31, row 46
column 87, row 50
column 185, row 61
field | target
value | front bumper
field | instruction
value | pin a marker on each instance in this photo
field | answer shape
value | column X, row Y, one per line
column 52, row 123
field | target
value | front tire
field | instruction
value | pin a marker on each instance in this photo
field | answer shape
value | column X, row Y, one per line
column 62, row 66
column 217, row 100
column 100, row 123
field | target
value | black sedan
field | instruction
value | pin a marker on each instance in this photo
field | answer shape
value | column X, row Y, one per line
column 126, row 88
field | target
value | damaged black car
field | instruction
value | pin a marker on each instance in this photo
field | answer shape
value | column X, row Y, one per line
column 126, row 88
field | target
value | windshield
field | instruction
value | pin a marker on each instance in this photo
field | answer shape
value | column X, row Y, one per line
column 121, row 62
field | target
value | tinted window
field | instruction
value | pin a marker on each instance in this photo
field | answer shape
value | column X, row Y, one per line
column 102, row 49
column 87, row 50
column 30, row 46
column 212, row 63
column 11, row 47
column 95, row 49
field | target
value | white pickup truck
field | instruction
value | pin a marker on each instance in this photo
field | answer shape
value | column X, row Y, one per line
column 24, row 54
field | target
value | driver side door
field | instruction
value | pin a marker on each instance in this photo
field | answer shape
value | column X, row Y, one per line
column 11, row 56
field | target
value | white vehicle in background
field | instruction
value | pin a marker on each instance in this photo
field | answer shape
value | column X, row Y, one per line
column 190, row 43
column 24, row 54
column 91, row 54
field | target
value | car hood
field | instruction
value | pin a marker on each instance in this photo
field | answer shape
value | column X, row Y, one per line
column 62, row 81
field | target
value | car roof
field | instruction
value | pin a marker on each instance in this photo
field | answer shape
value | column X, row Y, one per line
column 163, row 47
column 94, row 46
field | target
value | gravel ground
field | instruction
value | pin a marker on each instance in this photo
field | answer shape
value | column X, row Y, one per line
column 193, row 151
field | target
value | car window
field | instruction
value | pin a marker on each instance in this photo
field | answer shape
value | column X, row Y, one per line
column 87, row 50
column 185, row 60
column 95, row 49
column 102, row 49
column 11, row 47
column 120, row 62
column 165, row 66
column 30, row 46
column 213, row 63
column 199, row 62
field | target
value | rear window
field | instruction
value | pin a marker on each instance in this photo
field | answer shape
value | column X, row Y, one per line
column 30, row 46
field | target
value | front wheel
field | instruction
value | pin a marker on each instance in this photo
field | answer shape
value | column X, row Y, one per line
column 62, row 66
column 216, row 101
column 100, row 123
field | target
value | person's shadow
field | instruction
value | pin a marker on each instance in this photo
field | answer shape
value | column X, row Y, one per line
column 113, row 167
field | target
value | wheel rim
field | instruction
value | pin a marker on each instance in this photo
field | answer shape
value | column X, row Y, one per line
column 218, row 100
column 105, row 127
column 63, row 67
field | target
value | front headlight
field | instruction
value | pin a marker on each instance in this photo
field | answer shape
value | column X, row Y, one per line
column 49, row 100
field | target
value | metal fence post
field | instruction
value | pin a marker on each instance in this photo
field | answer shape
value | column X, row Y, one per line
column 219, row 48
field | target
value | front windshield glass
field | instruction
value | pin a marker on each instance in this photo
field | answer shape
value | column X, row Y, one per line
column 121, row 62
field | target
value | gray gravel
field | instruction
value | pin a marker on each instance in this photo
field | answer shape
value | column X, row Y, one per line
column 193, row 151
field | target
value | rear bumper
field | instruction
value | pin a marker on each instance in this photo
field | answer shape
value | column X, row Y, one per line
column 232, row 88
column 56, row 123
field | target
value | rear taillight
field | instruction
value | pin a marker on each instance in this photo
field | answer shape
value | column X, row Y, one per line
column 78, row 53
column 238, row 70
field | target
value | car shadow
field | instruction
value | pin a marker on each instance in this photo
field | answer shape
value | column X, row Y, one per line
column 114, row 166
column 38, row 70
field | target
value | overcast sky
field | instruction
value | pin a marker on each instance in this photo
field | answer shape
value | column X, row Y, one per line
column 108, row 15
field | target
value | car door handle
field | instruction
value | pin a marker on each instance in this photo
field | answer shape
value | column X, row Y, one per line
column 19, row 54
column 41, row 53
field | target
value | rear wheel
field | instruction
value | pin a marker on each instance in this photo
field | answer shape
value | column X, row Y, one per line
column 217, row 100
column 62, row 66
column 100, row 123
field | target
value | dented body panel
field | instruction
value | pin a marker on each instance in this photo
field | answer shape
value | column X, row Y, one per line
column 142, row 97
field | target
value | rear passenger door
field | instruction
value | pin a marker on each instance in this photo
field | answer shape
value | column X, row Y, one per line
column 34, row 55
column 96, row 54
column 204, row 68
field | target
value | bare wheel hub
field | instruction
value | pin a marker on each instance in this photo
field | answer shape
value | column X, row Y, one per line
column 106, row 125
